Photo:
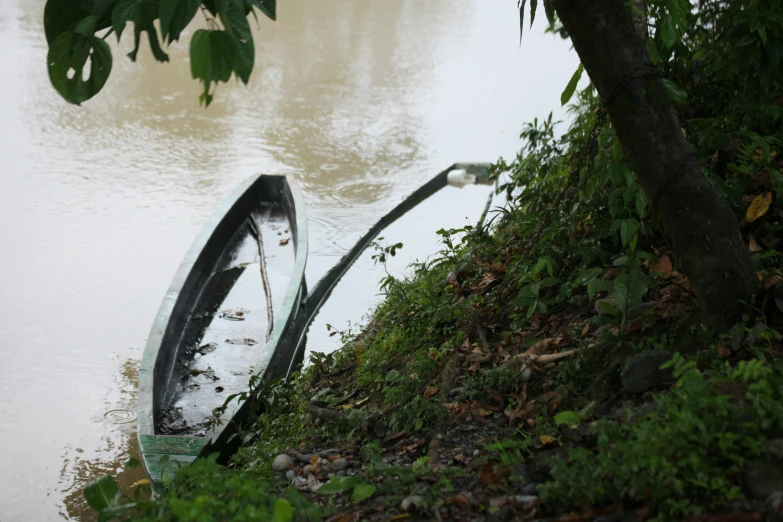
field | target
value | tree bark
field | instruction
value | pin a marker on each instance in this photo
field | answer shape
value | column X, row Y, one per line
column 696, row 221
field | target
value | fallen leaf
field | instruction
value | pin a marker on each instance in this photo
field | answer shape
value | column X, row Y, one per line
column 497, row 266
column 493, row 472
column 585, row 329
column 548, row 439
column 459, row 500
column 662, row 264
column 429, row 392
column 141, row 482
column 479, row 357
column 486, row 280
column 542, row 346
column 401, row 517
column 725, row 352
column 395, row 436
column 753, row 246
column 332, row 458
column 461, row 458
column 284, row 242
column 758, row 207
column 771, row 281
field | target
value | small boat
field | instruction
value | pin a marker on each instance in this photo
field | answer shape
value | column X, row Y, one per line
column 238, row 310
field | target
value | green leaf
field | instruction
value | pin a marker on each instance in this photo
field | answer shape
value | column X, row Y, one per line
column 67, row 58
column 284, row 511
column 677, row 94
column 235, row 21
column 362, row 492
column 641, row 203
column 521, row 7
column 143, row 14
column 102, row 494
column 337, row 485
column 62, row 16
column 533, row 7
column 617, row 151
column 587, row 275
column 598, row 285
column 268, row 7
column 550, row 12
column 621, row 291
column 627, row 230
column 179, row 508
column 668, row 29
column 570, row 418
column 571, row 87
column 175, row 15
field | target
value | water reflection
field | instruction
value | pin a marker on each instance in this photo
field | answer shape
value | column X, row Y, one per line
column 83, row 465
column 360, row 101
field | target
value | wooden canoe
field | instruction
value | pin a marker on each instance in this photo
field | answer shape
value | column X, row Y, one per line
column 238, row 308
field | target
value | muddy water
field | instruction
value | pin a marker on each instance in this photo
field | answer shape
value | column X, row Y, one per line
column 360, row 101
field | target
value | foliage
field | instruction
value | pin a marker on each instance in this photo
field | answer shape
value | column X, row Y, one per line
column 72, row 28
column 686, row 454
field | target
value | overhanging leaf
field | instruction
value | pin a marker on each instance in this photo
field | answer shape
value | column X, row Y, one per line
column 550, row 12
column 668, row 30
column 571, row 87
column 677, row 94
column 102, row 494
column 521, row 8
column 284, row 511
column 533, row 7
column 175, row 15
column 67, row 58
column 758, row 207
column 142, row 13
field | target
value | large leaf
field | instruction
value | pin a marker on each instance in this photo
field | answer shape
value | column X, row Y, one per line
column 61, row 16
column 235, row 21
column 669, row 33
column 67, row 58
column 550, row 12
column 143, row 14
column 571, row 87
column 102, row 494
column 175, row 15
column 337, row 485
column 284, row 511
column 362, row 492
column 212, row 55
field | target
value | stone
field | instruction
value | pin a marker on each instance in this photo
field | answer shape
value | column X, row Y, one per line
column 774, row 505
column 282, row 463
column 476, row 453
column 290, row 474
column 308, row 469
column 339, row 464
column 643, row 371
column 774, row 448
column 325, row 453
column 456, row 392
column 763, row 478
column 412, row 501
column 530, row 489
column 525, row 373
column 354, row 464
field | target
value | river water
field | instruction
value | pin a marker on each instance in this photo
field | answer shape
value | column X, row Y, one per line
column 361, row 101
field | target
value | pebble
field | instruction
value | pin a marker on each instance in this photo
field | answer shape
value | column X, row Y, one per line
column 476, row 453
column 354, row 464
column 339, row 464
column 526, row 373
column 325, row 453
column 290, row 474
column 411, row 501
column 282, row 463
column 308, row 469
column 456, row 392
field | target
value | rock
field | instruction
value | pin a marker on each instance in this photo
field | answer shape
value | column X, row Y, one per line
column 625, row 516
column 325, row 453
column 290, row 474
column 530, row 489
column 525, row 373
column 282, row 463
column 456, row 392
column 354, row 464
column 640, row 412
column 309, row 419
column 774, row 506
column 774, row 447
column 304, row 458
column 339, row 464
column 643, row 371
column 476, row 453
column 762, row 479
column 412, row 501
column 308, row 469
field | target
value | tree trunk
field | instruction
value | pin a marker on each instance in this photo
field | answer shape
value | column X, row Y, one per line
column 698, row 224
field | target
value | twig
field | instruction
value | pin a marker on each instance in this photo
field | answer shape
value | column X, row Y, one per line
column 536, row 358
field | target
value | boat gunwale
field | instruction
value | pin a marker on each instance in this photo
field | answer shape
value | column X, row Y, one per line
column 226, row 211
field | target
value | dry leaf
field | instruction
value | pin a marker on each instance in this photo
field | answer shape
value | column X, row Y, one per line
column 548, row 439
column 542, row 346
column 493, row 472
column 284, row 242
column 459, row 501
column 478, row 356
column 332, row 458
column 429, row 392
column 753, row 246
column 141, row 482
column 401, row 517
column 662, row 264
column 486, row 280
column 585, row 329
column 758, row 207
column 771, row 281
column 725, row 352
